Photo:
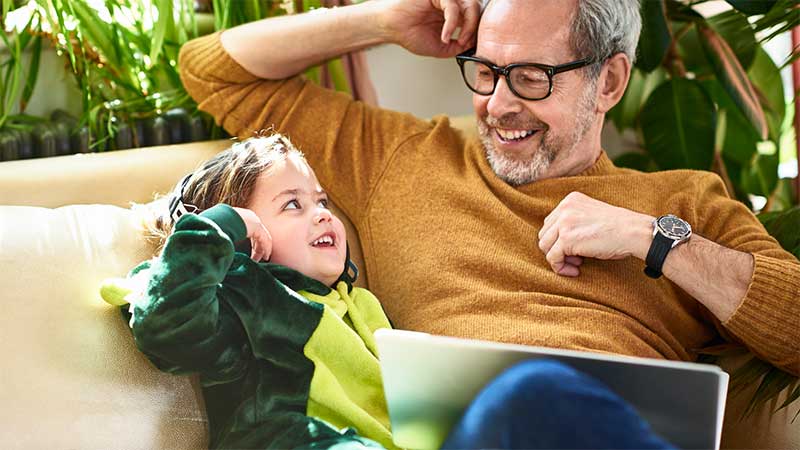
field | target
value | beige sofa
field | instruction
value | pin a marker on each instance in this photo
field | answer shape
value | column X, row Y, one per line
column 72, row 377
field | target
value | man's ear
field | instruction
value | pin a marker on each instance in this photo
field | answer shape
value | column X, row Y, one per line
column 612, row 81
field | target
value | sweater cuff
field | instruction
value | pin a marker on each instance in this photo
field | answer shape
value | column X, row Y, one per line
column 228, row 220
column 767, row 318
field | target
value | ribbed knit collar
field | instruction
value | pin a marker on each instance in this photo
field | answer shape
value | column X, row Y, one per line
column 602, row 166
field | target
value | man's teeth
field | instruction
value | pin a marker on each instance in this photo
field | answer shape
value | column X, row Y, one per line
column 323, row 240
column 514, row 134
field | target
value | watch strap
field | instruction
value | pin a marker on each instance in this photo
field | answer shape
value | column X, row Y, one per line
column 659, row 248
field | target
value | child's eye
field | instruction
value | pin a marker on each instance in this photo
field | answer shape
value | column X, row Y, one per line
column 292, row 204
column 323, row 202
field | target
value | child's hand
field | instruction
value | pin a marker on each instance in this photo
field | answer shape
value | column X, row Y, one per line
column 260, row 239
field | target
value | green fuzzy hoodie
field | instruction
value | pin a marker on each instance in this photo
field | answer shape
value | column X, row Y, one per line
column 284, row 361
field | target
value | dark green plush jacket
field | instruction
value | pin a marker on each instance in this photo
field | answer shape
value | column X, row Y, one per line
column 284, row 361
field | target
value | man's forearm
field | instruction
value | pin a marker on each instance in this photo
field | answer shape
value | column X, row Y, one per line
column 280, row 47
column 716, row 276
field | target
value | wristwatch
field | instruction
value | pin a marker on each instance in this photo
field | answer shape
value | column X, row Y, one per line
column 668, row 232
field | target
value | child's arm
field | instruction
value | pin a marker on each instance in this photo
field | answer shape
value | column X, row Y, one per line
column 178, row 321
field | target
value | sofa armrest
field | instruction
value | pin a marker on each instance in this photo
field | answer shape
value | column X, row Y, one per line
column 72, row 376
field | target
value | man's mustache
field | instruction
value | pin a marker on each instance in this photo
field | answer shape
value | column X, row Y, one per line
column 516, row 122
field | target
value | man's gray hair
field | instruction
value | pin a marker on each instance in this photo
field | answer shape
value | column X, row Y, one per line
column 603, row 28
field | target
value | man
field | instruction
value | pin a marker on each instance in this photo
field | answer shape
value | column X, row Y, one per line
column 530, row 235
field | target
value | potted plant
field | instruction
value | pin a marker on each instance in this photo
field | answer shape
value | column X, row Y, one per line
column 704, row 94
column 122, row 55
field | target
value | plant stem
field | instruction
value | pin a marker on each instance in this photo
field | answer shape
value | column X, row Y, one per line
column 722, row 171
column 673, row 62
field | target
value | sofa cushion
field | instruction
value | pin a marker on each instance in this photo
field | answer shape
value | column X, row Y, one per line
column 72, row 376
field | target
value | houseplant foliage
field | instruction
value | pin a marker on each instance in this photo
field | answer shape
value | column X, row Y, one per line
column 705, row 95
column 17, row 80
column 123, row 58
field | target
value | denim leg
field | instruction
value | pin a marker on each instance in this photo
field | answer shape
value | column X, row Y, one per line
column 547, row 404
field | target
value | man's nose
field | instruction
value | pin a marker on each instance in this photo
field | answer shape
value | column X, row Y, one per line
column 503, row 101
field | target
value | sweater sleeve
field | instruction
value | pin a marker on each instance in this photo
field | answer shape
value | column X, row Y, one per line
column 180, row 323
column 348, row 143
column 768, row 319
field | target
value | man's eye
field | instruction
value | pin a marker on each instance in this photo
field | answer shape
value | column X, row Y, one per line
column 484, row 74
column 292, row 204
column 323, row 203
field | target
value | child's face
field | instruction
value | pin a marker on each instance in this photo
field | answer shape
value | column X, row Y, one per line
column 306, row 236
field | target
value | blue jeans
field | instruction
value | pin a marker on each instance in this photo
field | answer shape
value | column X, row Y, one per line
column 547, row 404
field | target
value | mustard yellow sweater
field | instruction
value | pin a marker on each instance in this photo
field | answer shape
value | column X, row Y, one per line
column 451, row 249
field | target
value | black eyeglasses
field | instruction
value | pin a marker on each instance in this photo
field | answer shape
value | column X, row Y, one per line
column 529, row 81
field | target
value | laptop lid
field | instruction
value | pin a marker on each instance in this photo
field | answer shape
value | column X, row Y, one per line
column 430, row 380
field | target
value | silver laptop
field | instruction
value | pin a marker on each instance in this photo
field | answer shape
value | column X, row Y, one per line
column 430, row 380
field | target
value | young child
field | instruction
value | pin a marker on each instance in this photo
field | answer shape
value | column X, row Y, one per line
column 282, row 341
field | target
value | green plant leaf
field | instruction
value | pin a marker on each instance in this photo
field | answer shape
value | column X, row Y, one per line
column 678, row 124
column 783, row 197
column 733, row 78
column 774, row 382
column 741, row 139
column 338, row 75
column 15, row 75
column 655, row 39
column 165, row 16
column 766, row 78
column 747, row 374
column 308, row 5
column 783, row 227
column 782, row 17
column 737, row 32
column 724, row 349
column 682, row 13
column 733, row 28
column 771, row 382
column 636, row 161
column 760, row 177
column 692, row 54
column 91, row 26
column 792, row 397
column 33, row 73
column 752, row 7
column 313, row 74
column 626, row 112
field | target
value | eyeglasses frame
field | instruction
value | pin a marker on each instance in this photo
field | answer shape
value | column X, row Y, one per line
column 505, row 71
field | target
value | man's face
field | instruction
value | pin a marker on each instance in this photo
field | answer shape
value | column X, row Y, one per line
column 306, row 236
column 527, row 140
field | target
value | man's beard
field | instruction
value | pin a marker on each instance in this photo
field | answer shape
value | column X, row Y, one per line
column 516, row 171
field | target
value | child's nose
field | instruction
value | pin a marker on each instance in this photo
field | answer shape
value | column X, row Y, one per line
column 323, row 215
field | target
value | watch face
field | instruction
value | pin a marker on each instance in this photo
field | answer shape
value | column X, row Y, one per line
column 674, row 227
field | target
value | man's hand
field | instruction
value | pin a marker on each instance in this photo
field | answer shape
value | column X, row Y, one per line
column 260, row 239
column 581, row 226
column 424, row 27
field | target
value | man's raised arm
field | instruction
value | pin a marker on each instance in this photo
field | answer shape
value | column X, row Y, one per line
column 280, row 47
